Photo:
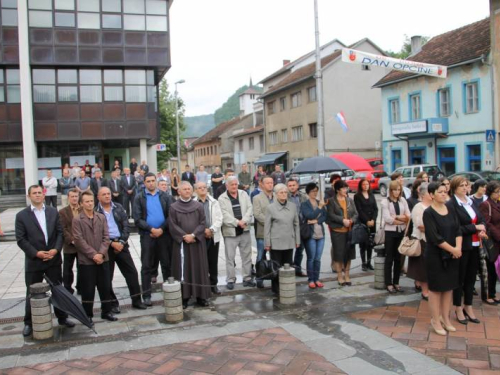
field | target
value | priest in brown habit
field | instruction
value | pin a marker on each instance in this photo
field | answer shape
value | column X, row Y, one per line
column 189, row 259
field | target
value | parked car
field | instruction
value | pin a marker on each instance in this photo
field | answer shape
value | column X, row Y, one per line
column 480, row 175
column 372, row 176
column 346, row 175
column 304, row 179
column 410, row 173
column 376, row 163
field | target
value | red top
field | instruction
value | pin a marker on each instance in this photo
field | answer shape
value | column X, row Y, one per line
column 475, row 236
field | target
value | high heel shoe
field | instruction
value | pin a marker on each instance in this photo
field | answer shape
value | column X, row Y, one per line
column 473, row 320
column 440, row 332
column 449, row 328
column 461, row 321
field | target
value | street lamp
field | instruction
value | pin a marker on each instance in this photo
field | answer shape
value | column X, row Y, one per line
column 177, row 127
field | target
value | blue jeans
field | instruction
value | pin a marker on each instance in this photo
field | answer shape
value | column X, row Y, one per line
column 297, row 259
column 260, row 249
column 314, row 251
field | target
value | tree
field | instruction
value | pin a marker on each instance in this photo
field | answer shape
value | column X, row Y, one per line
column 231, row 108
column 168, row 134
column 405, row 51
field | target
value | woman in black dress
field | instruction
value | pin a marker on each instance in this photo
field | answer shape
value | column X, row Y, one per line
column 444, row 248
column 366, row 205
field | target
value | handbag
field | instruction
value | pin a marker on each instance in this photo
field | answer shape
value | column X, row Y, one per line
column 379, row 238
column 409, row 246
column 360, row 234
column 267, row 269
column 305, row 230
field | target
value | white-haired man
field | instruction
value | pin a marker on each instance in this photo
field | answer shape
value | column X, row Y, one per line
column 236, row 217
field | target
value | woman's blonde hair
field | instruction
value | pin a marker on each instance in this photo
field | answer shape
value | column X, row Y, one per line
column 394, row 185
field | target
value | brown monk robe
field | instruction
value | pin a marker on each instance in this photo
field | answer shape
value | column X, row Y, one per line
column 186, row 222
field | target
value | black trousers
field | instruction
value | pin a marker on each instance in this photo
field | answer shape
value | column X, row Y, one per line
column 51, row 200
column 213, row 261
column 392, row 267
column 68, row 276
column 125, row 263
column 468, row 265
column 54, row 274
column 492, row 282
column 93, row 276
column 128, row 203
column 149, row 247
column 282, row 257
column 366, row 249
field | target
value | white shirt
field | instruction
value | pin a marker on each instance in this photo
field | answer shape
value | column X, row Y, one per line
column 50, row 184
column 470, row 211
column 40, row 217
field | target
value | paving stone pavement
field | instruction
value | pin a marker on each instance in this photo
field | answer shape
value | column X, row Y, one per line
column 473, row 350
column 267, row 351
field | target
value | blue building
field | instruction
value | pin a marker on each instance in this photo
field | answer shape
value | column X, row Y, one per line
column 449, row 121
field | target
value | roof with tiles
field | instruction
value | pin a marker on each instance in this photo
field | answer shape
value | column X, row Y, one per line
column 467, row 43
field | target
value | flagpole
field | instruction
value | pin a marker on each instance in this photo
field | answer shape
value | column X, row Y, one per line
column 319, row 87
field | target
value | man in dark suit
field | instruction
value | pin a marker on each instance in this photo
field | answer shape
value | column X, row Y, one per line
column 128, row 191
column 188, row 176
column 97, row 182
column 115, row 185
column 133, row 166
column 40, row 235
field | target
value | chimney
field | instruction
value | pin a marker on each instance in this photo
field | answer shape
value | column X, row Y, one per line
column 416, row 44
column 286, row 62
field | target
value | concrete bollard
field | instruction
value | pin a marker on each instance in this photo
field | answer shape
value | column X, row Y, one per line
column 379, row 269
column 41, row 312
column 172, row 298
column 288, row 292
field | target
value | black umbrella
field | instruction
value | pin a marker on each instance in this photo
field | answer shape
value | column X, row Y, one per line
column 67, row 302
column 319, row 164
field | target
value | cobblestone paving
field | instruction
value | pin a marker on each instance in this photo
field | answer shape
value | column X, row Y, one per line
column 473, row 350
column 257, row 352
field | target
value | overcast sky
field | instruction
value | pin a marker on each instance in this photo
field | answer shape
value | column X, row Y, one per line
column 217, row 45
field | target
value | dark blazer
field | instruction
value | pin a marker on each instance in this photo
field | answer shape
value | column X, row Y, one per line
column 121, row 219
column 126, row 186
column 367, row 209
column 66, row 217
column 94, row 186
column 493, row 220
column 119, row 184
column 335, row 214
column 30, row 238
column 133, row 168
column 141, row 212
column 191, row 179
column 466, row 226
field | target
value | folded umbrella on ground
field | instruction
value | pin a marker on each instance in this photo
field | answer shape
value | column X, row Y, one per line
column 67, row 302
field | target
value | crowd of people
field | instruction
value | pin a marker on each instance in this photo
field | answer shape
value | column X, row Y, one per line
column 181, row 225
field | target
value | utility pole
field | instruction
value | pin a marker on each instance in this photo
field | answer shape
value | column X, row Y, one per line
column 177, row 127
column 319, row 87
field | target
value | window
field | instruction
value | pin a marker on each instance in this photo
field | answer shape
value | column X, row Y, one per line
column 283, row 103
column 313, row 130
column 9, row 17
column 474, row 158
column 13, row 90
column 113, row 76
column 471, row 97
column 67, row 93
column 112, row 6
column 444, row 102
column 296, row 99
column 394, row 111
column 284, row 136
column 297, row 133
column 40, row 19
column 64, row 19
column 311, row 93
column 156, row 7
column 156, row 23
column 251, row 145
column 90, row 89
column 88, row 5
column 44, row 89
column 113, row 93
column 273, row 138
column 89, row 21
column 135, row 94
column 67, row 76
column 40, row 4
column 90, row 76
column 44, row 76
column 9, row 4
column 271, row 107
column 133, row 6
column 240, row 145
column 406, row 172
column 415, row 112
column 65, row 4
column 396, row 159
column 111, row 21
column 446, row 159
column 261, row 143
